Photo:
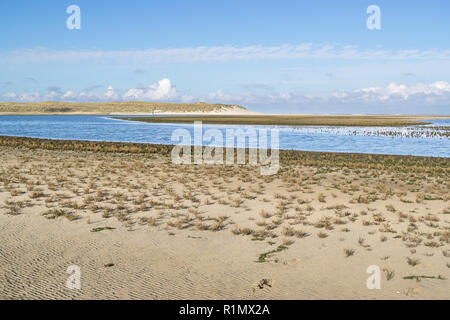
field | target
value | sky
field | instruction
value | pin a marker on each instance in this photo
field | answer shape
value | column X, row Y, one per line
column 270, row 56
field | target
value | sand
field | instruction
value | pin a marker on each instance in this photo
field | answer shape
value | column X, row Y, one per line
column 292, row 120
column 173, row 257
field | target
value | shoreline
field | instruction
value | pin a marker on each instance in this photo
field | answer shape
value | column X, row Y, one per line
column 231, row 112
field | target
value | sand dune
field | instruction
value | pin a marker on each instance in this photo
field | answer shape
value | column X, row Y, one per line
column 119, row 108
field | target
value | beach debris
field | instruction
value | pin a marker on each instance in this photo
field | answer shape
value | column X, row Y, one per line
column 101, row 229
column 266, row 283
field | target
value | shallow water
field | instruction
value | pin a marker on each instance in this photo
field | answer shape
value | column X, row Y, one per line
column 310, row 138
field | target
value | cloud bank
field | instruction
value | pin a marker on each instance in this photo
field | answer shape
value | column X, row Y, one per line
column 377, row 98
column 222, row 54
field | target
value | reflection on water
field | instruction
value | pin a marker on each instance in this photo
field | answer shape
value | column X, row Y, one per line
column 404, row 141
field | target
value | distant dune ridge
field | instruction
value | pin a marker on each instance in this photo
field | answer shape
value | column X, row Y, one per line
column 133, row 107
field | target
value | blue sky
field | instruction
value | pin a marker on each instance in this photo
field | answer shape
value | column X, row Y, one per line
column 275, row 56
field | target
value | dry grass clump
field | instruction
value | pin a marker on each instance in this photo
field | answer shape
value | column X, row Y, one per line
column 324, row 222
column 322, row 235
column 263, row 213
column 390, row 274
column 390, row 208
column 361, row 241
column 288, row 231
column 287, row 241
column 420, row 197
column 36, row 194
column 349, row 252
column 321, row 198
column 301, row 234
column 55, row 213
column 412, row 261
column 14, row 207
column 218, row 226
column 237, row 202
column 242, row 231
column 246, row 231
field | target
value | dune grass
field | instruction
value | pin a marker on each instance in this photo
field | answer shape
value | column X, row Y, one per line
column 52, row 107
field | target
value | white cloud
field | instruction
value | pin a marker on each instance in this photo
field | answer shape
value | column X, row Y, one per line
column 162, row 90
column 223, row 53
column 393, row 98
column 393, row 90
column 13, row 96
column 58, row 95
column 111, row 94
column 220, row 96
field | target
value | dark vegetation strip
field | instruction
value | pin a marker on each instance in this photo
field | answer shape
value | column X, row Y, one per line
column 418, row 278
column 413, row 164
column 264, row 256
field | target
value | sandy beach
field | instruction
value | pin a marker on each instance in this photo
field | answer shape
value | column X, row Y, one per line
column 225, row 159
column 140, row 227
